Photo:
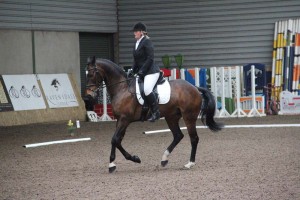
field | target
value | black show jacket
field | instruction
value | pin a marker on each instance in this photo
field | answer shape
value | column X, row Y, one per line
column 143, row 58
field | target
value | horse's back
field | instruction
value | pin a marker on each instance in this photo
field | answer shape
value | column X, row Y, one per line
column 185, row 96
column 184, row 89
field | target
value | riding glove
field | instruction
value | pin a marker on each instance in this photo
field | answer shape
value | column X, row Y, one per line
column 130, row 73
column 141, row 74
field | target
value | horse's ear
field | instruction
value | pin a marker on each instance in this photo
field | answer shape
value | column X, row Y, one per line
column 91, row 60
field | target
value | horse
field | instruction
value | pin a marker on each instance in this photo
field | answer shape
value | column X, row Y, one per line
column 186, row 101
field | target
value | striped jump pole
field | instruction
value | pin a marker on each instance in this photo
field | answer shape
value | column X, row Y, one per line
column 197, row 77
column 287, row 85
column 223, row 111
column 296, row 79
column 279, row 60
column 105, row 116
column 214, row 88
column 173, row 74
column 254, row 112
column 274, row 56
column 238, row 111
column 182, row 75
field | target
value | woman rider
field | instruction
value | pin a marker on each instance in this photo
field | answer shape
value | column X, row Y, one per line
column 144, row 66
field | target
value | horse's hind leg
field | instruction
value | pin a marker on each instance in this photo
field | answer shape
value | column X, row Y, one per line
column 177, row 137
column 191, row 127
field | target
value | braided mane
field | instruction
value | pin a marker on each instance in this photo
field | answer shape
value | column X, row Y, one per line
column 112, row 64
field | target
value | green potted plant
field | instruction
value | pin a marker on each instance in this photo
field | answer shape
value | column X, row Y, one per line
column 179, row 60
column 166, row 59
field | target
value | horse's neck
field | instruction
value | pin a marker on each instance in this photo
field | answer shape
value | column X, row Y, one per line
column 115, row 83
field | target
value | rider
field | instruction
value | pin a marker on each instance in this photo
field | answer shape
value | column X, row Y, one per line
column 144, row 66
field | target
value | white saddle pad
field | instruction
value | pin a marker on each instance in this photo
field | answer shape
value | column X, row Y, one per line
column 164, row 92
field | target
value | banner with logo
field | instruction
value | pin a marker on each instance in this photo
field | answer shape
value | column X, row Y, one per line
column 24, row 92
column 5, row 103
column 58, row 90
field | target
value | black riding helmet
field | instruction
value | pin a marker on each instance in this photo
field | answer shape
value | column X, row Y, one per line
column 139, row 27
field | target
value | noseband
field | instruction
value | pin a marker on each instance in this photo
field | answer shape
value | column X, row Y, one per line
column 95, row 71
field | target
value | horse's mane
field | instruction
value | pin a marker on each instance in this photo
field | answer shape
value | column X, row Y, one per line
column 110, row 63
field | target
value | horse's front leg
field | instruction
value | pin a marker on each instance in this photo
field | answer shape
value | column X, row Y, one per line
column 116, row 143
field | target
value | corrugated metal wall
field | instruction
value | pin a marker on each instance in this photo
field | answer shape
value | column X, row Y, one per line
column 206, row 32
column 59, row 15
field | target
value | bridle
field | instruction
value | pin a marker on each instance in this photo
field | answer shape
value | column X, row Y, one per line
column 95, row 70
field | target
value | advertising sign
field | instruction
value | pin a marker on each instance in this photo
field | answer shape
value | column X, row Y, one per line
column 24, row 92
column 58, row 90
column 5, row 103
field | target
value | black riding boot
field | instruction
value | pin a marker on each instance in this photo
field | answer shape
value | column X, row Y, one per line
column 152, row 102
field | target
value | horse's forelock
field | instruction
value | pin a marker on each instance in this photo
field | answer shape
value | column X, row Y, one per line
column 91, row 60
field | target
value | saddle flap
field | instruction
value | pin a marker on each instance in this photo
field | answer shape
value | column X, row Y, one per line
column 163, row 91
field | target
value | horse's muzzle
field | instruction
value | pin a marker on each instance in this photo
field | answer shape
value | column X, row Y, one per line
column 89, row 102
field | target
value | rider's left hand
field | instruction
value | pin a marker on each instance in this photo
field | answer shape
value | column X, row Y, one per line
column 130, row 73
column 141, row 74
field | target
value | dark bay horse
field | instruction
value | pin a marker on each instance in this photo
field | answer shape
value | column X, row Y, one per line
column 186, row 101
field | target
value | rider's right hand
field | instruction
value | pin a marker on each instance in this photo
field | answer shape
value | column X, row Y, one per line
column 130, row 73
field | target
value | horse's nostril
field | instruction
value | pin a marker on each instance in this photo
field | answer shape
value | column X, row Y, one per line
column 89, row 102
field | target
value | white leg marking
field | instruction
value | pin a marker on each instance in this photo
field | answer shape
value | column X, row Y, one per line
column 189, row 165
column 111, row 165
column 165, row 155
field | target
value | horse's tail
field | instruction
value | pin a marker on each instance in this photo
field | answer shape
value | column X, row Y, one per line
column 208, row 109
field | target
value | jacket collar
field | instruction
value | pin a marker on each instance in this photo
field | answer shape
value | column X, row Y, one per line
column 140, row 44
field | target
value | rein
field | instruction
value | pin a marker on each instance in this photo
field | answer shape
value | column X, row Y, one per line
column 106, row 86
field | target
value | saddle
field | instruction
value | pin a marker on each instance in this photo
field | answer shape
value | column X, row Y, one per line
column 145, row 114
column 160, row 81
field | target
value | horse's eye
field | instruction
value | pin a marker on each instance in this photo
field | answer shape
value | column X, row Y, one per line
column 89, row 74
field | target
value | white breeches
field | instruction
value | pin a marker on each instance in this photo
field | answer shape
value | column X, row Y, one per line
column 149, row 82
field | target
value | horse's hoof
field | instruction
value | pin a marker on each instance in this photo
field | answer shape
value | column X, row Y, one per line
column 164, row 163
column 189, row 165
column 136, row 159
column 112, row 169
